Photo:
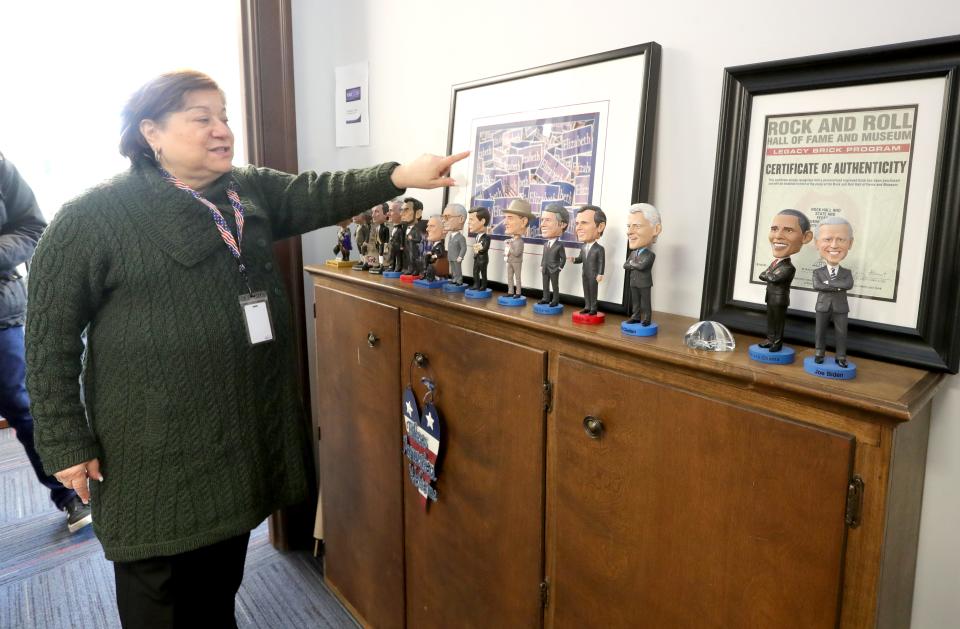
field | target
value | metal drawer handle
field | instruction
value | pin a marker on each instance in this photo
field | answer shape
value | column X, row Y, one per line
column 372, row 339
column 593, row 426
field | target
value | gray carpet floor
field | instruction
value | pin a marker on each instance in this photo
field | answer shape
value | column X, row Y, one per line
column 50, row 579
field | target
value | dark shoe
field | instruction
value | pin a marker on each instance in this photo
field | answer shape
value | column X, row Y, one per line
column 592, row 313
column 818, row 359
column 554, row 304
column 766, row 344
column 842, row 362
column 584, row 311
column 776, row 347
column 78, row 514
column 645, row 322
column 543, row 302
column 632, row 320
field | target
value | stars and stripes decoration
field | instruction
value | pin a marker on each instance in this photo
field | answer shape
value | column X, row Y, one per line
column 421, row 444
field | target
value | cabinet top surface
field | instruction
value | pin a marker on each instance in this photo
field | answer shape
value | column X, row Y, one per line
column 891, row 390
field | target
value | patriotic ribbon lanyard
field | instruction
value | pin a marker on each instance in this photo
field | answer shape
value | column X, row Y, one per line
column 233, row 244
column 256, row 311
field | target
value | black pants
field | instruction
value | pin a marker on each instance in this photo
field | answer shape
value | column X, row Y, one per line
column 192, row 589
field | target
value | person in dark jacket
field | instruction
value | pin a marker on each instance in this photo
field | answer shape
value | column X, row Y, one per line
column 190, row 431
column 21, row 224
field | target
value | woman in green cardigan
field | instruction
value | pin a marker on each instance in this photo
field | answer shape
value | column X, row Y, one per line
column 190, row 428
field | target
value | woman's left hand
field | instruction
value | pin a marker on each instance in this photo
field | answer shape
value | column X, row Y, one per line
column 427, row 171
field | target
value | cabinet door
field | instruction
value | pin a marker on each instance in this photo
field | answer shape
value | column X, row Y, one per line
column 360, row 460
column 474, row 558
column 686, row 512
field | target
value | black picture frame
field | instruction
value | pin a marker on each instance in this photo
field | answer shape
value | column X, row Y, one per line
column 640, row 188
column 934, row 343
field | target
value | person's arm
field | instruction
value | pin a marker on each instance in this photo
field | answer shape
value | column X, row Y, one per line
column 645, row 261
column 819, row 284
column 843, row 282
column 68, row 278
column 301, row 203
column 601, row 261
column 24, row 222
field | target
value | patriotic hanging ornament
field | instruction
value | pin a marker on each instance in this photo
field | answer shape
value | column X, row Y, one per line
column 421, row 440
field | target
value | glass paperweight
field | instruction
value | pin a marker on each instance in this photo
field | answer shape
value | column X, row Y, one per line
column 709, row 335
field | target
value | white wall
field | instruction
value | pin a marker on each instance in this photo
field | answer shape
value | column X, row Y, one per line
column 418, row 49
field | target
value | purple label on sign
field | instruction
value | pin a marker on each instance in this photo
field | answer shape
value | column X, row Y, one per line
column 353, row 94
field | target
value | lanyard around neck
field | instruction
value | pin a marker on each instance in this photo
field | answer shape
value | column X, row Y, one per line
column 233, row 244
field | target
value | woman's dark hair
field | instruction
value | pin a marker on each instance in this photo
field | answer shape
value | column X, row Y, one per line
column 154, row 101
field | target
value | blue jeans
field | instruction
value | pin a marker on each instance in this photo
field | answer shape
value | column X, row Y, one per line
column 15, row 408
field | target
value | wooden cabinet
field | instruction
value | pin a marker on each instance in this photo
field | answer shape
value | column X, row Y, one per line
column 687, row 512
column 475, row 554
column 595, row 480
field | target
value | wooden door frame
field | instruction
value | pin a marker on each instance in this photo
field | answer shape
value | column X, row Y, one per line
column 271, row 136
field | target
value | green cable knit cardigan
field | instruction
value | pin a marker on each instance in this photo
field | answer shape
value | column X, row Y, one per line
column 200, row 435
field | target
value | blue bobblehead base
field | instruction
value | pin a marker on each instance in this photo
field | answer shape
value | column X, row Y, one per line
column 829, row 369
column 547, row 309
column 393, row 275
column 513, row 302
column 473, row 293
column 429, row 283
column 635, row 329
column 785, row 356
column 450, row 287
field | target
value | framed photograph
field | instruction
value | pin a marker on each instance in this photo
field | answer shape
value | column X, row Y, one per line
column 577, row 132
column 869, row 136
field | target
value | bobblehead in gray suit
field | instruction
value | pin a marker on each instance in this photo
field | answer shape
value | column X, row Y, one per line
column 553, row 222
column 516, row 218
column 513, row 255
column 833, row 239
column 832, row 305
column 589, row 224
column 643, row 228
column 454, row 215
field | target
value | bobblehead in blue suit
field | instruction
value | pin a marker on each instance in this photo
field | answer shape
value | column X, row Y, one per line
column 789, row 231
column 643, row 228
column 553, row 222
column 833, row 239
column 589, row 225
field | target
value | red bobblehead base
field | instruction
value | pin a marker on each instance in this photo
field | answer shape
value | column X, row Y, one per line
column 409, row 278
column 589, row 319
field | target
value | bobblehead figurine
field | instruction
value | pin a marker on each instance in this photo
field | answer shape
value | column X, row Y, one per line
column 361, row 236
column 643, row 229
column 516, row 219
column 789, row 231
column 393, row 261
column 589, row 225
column 479, row 224
column 553, row 222
column 435, row 259
column 833, row 238
column 454, row 216
column 413, row 255
column 379, row 235
column 342, row 248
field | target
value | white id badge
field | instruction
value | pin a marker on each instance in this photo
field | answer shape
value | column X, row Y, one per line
column 256, row 314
